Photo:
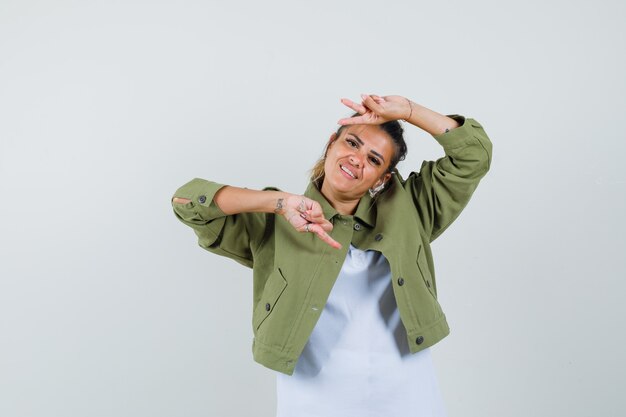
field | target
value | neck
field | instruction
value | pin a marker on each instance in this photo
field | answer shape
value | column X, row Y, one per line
column 344, row 206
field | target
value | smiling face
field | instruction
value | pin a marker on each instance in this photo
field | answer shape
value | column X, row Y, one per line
column 356, row 161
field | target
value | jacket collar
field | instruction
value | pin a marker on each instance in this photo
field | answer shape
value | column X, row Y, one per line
column 365, row 211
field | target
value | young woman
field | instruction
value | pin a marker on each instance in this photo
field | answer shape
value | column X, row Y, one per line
column 344, row 294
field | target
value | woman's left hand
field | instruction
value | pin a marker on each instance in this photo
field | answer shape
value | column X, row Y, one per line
column 375, row 110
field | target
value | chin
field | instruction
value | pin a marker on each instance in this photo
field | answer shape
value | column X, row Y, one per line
column 348, row 189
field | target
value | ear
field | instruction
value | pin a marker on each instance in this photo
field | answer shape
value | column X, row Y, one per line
column 384, row 179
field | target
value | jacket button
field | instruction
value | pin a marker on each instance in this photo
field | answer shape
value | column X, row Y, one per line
column 400, row 281
column 419, row 340
column 267, row 306
column 202, row 199
column 357, row 226
column 428, row 284
column 378, row 237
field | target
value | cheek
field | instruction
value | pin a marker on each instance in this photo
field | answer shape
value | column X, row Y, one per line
column 331, row 156
column 375, row 170
column 328, row 163
column 328, row 159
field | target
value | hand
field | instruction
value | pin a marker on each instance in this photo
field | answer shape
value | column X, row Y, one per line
column 375, row 110
column 180, row 200
column 306, row 215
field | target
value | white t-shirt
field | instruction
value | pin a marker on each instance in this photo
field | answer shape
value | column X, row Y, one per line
column 356, row 362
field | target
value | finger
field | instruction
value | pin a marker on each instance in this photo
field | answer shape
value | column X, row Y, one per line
column 318, row 219
column 326, row 225
column 357, row 120
column 316, row 228
column 371, row 104
column 180, row 200
column 378, row 99
column 315, row 210
column 354, row 106
column 310, row 204
column 309, row 210
column 309, row 216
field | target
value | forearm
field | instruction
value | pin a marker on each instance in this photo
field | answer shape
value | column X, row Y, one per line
column 234, row 200
column 217, row 202
column 429, row 120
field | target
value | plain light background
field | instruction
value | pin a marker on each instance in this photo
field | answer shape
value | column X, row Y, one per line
column 109, row 308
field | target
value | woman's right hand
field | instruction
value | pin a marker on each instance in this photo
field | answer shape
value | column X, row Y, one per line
column 306, row 215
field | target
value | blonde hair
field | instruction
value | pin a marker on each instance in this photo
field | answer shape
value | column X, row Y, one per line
column 317, row 172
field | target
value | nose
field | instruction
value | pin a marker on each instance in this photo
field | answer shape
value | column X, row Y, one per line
column 354, row 160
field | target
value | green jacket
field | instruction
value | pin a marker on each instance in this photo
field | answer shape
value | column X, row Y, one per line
column 293, row 273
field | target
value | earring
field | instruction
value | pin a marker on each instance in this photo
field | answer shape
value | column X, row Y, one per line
column 376, row 190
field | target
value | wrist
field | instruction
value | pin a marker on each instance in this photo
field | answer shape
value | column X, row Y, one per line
column 409, row 110
column 279, row 203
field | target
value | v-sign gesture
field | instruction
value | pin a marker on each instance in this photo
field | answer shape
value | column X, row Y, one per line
column 375, row 110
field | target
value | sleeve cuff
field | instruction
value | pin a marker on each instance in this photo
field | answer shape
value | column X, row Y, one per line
column 459, row 136
column 201, row 193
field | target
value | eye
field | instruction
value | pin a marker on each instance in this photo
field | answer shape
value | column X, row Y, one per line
column 352, row 142
column 374, row 161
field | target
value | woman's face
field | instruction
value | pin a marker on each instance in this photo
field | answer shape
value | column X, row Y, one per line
column 356, row 161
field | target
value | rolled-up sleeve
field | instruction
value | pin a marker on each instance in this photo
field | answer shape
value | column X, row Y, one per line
column 442, row 188
column 227, row 235
column 201, row 212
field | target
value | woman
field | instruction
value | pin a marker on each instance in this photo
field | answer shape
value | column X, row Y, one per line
column 364, row 233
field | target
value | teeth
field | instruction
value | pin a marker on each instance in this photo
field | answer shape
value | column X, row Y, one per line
column 344, row 169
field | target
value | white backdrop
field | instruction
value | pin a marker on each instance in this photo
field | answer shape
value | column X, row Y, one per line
column 109, row 308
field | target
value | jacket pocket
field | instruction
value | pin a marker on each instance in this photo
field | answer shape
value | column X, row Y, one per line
column 422, row 264
column 274, row 287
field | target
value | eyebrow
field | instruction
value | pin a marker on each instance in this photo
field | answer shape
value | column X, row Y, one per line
column 371, row 150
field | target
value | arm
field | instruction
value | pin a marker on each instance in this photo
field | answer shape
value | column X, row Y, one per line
column 231, row 236
column 230, row 220
column 234, row 200
column 442, row 188
column 428, row 120
column 377, row 110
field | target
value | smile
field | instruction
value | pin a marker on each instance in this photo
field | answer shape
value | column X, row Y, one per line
column 347, row 171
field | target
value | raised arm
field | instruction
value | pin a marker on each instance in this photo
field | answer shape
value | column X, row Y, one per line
column 441, row 188
column 377, row 110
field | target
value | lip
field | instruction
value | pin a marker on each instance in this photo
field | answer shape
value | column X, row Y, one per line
column 345, row 174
